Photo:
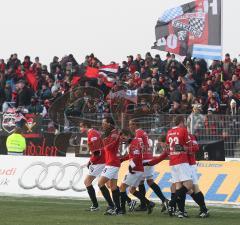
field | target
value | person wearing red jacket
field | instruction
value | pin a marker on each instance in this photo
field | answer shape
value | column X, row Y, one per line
column 96, row 163
column 148, row 170
column 111, row 142
column 136, row 170
column 178, row 141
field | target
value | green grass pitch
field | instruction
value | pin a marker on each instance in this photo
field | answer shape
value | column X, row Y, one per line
column 51, row 211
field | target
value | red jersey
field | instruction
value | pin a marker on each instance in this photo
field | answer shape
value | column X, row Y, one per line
column 177, row 135
column 111, row 145
column 135, row 155
column 192, row 149
column 147, row 153
column 95, row 144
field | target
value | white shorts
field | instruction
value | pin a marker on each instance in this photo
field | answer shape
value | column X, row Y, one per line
column 181, row 172
column 133, row 180
column 194, row 174
column 148, row 172
column 110, row 172
column 95, row 170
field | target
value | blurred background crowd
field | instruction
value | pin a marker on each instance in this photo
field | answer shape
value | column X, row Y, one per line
column 164, row 85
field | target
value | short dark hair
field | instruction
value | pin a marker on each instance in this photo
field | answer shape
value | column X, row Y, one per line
column 135, row 122
column 110, row 120
column 178, row 120
column 85, row 124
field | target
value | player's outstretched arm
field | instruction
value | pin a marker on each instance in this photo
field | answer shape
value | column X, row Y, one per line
column 157, row 160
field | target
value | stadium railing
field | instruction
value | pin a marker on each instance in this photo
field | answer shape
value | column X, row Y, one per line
column 212, row 127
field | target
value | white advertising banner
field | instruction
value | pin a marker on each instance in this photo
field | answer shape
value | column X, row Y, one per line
column 43, row 176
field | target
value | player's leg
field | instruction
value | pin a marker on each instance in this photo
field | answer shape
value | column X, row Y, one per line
column 150, row 205
column 142, row 190
column 132, row 180
column 181, row 176
column 197, row 195
column 123, row 194
column 173, row 202
column 181, row 191
column 115, row 194
column 105, row 192
column 157, row 190
column 91, row 192
column 94, row 171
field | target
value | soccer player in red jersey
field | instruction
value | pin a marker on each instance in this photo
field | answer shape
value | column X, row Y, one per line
column 148, row 170
column 178, row 141
column 136, row 170
column 96, row 163
column 111, row 141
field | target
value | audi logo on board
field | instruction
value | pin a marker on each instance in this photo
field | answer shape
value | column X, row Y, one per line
column 57, row 179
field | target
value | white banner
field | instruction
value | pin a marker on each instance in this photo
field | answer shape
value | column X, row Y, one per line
column 43, row 176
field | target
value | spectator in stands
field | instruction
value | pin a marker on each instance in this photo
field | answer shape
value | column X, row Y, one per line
column 89, row 107
column 27, row 62
column 185, row 106
column 227, row 67
column 35, row 107
column 161, row 100
column 13, row 62
column 213, row 105
column 195, row 121
column 150, row 76
column 175, row 94
column 2, row 66
column 45, row 92
column 233, row 108
column 24, row 94
column 54, row 64
column 235, row 83
column 175, row 108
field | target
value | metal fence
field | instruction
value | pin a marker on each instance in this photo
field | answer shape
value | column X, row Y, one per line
column 205, row 127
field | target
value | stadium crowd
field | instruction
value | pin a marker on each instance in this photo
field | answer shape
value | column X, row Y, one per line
column 163, row 85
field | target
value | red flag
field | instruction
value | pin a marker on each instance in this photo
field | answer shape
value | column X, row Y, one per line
column 32, row 80
column 108, row 74
column 92, row 72
column 111, row 68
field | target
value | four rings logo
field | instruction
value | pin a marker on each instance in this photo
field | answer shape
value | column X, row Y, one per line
column 58, row 179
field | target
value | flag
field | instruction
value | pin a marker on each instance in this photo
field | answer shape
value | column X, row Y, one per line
column 91, row 72
column 212, row 52
column 111, row 68
column 196, row 22
column 108, row 73
column 130, row 95
column 32, row 80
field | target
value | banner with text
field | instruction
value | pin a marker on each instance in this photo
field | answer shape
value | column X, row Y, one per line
column 64, row 177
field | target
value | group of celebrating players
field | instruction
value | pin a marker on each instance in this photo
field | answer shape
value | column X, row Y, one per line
column 105, row 161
